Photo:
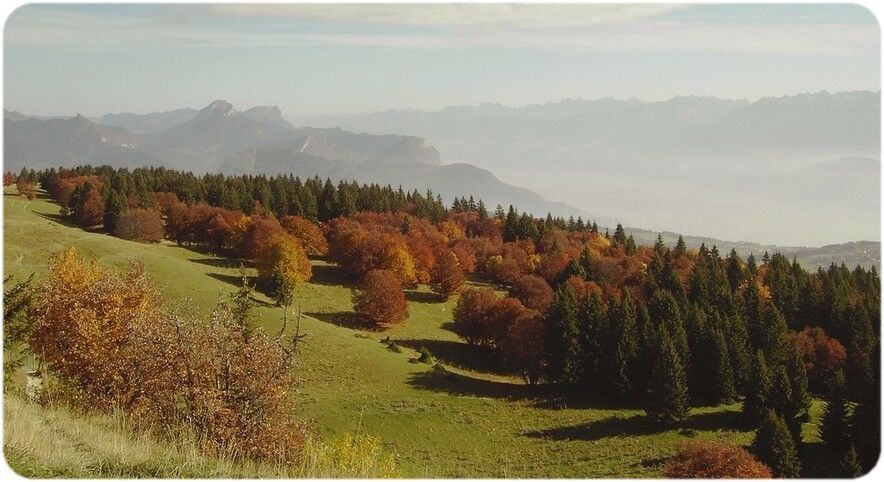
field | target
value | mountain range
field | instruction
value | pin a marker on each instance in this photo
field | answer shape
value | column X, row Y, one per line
column 833, row 193
column 780, row 170
column 258, row 140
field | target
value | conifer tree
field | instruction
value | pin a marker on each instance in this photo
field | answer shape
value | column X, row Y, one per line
column 592, row 327
column 774, row 447
column 562, row 344
column 668, row 397
column 836, row 434
column 665, row 312
column 758, row 390
column 624, row 341
column 114, row 205
column 681, row 248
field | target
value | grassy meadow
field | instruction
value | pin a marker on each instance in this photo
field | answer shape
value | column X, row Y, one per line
column 460, row 418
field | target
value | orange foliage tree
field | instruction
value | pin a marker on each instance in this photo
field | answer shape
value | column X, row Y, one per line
column 447, row 276
column 103, row 333
column 711, row 460
column 282, row 266
column 380, row 298
column 140, row 225
column 307, row 233
column 26, row 188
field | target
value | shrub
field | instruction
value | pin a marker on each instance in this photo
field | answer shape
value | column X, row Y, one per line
column 380, row 298
column 102, row 332
column 709, row 460
column 140, row 225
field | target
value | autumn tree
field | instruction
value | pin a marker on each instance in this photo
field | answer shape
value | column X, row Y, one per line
column 474, row 315
column 282, row 266
column 380, row 298
column 26, row 188
column 711, row 460
column 823, row 356
column 307, row 232
column 534, row 292
column 139, row 225
column 447, row 276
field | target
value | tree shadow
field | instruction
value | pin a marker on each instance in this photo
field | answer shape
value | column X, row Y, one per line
column 458, row 354
column 58, row 218
column 234, row 279
column 330, row 275
column 638, row 425
column 346, row 319
column 220, row 262
column 441, row 380
column 415, row 296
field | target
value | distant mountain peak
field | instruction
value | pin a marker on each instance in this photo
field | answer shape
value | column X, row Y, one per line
column 217, row 108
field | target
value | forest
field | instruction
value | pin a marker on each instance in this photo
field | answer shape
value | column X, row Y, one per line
column 563, row 304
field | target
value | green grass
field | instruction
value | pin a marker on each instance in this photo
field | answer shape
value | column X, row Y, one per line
column 466, row 420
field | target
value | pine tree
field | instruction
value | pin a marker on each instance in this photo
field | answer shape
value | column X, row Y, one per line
column 668, row 397
column 665, row 312
column 734, row 270
column 759, row 387
column 592, row 327
column 619, row 235
column 114, row 206
column 624, row 341
column 562, row 345
column 774, row 447
column 681, row 248
column 836, row 434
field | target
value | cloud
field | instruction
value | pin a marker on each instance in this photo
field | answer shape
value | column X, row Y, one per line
column 429, row 15
column 454, row 27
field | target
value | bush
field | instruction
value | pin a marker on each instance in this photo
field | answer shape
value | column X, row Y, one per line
column 424, row 356
column 26, row 188
column 140, row 225
column 119, row 351
column 709, row 460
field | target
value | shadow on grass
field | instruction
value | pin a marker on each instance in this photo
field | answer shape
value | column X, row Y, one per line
column 440, row 380
column 330, row 275
column 346, row 319
column 422, row 297
column 58, row 218
column 458, row 354
column 638, row 425
column 221, row 262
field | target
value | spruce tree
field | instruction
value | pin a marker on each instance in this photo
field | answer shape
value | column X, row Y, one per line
column 114, row 206
column 665, row 312
column 836, row 434
column 561, row 338
column 624, row 341
column 592, row 327
column 668, row 398
column 681, row 248
column 774, row 447
column 757, row 397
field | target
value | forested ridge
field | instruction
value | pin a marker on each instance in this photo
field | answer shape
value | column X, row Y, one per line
column 664, row 327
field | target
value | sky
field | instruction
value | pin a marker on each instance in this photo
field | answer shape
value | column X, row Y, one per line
column 335, row 59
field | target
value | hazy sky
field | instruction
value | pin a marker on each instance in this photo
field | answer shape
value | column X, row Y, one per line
column 353, row 58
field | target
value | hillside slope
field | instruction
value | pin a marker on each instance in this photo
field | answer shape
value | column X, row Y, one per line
column 463, row 421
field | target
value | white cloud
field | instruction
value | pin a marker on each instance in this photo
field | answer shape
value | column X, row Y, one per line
column 510, row 15
column 65, row 29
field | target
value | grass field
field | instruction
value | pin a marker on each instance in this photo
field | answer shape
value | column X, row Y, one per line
column 465, row 420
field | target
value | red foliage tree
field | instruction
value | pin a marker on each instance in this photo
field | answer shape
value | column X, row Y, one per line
column 710, row 460
column 259, row 234
column 474, row 316
column 140, row 225
column 534, row 292
column 447, row 276
column 91, row 210
column 380, row 298
column 466, row 255
column 523, row 347
column 823, row 356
